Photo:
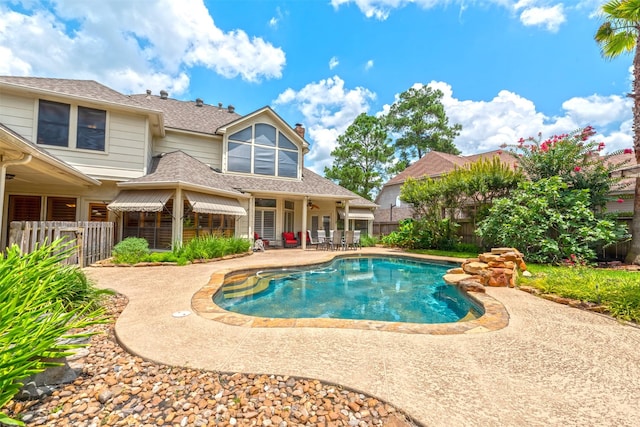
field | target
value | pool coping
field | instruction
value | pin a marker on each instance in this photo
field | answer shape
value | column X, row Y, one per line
column 495, row 315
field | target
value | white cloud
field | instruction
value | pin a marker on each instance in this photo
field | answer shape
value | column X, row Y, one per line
column 333, row 62
column 549, row 17
column 486, row 125
column 273, row 22
column 368, row 65
column 533, row 12
column 328, row 109
column 125, row 44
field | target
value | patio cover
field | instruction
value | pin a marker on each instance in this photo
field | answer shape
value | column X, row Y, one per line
column 209, row 204
column 357, row 213
column 140, row 201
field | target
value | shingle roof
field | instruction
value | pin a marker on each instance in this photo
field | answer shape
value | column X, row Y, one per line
column 186, row 115
column 89, row 89
column 435, row 163
column 178, row 167
column 311, row 184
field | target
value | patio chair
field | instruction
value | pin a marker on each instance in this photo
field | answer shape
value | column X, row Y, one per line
column 348, row 240
column 336, row 240
column 265, row 242
column 321, row 241
column 356, row 239
column 289, row 239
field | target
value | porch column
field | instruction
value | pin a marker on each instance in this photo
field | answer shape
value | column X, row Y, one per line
column 346, row 215
column 24, row 159
column 178, row 213
column 252, row 216
column 303, row 236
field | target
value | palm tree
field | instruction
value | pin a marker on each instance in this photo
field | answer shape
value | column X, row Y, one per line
column 620, row 33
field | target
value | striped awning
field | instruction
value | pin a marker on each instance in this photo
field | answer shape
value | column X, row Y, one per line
column 357, row 213
column 209, row 204
column 140, row 201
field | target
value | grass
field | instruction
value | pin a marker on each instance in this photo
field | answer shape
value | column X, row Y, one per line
column 439, row 252
column 618, row 291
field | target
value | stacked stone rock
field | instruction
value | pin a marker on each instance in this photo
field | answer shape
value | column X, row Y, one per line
column 496, row 268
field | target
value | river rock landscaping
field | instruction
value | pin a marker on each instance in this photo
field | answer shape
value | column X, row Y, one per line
column 115, row 388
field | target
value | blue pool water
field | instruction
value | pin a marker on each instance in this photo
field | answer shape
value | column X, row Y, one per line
column 373, row 288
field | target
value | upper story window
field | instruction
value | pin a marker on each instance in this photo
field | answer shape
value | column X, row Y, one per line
column 263, row 150
column 63, row 125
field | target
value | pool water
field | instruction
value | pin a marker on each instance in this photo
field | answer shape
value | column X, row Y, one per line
column 390, row 289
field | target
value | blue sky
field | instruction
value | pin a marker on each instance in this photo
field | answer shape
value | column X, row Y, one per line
column 508, row 69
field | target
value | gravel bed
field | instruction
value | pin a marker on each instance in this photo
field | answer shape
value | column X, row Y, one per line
column 116, row 388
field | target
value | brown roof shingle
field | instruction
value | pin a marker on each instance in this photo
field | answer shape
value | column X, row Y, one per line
column 186, row 115
column 88, row 89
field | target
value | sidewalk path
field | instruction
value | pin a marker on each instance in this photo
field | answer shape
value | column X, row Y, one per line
column 552, row 365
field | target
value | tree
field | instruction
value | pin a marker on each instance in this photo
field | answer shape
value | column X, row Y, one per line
column 361, row 157
column 574, row 157
column 620, row 33
column 419, row 117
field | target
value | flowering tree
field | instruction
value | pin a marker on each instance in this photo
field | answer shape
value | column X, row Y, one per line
column 575, row 157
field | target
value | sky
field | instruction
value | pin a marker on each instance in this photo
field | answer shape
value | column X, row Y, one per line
column 508, row 69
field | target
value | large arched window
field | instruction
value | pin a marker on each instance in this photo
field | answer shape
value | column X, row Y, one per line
column 263, row 150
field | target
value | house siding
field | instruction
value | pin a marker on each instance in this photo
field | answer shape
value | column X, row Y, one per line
column 125, row 157
column 206, row 149
column 17, row 113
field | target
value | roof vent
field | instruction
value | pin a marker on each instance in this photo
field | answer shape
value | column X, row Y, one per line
column 199, row 102
column 148, row 93
column 231, row 108
column 219, row 105
column 164, row 94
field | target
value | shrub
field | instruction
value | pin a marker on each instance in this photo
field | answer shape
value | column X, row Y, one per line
column 38, row 310
column 368, row 241
column 548, row 222
column 423, row 234
column 130, row 251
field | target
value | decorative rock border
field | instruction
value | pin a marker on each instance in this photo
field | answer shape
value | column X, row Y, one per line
column 496, row 268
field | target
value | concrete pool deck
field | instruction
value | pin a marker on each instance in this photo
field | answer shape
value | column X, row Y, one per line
column 552, row 364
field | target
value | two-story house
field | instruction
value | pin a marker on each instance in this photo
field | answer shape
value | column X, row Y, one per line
column 160, row 168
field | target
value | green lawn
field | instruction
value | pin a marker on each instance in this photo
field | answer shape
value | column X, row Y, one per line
column 617, row 290
column 439, row 252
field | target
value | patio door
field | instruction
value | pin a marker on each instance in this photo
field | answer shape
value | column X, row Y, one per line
column 265, row 223
column 320, row 223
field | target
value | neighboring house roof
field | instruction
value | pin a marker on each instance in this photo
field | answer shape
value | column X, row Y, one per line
column 178, row 167
column 435, row 163
column 626, row 185
column 187, row 115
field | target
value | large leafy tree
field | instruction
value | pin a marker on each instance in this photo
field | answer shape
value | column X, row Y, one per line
column 620, row 33
column 361, row 157
column 419, row 118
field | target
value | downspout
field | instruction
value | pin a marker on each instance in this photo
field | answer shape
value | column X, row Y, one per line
column 26, row 158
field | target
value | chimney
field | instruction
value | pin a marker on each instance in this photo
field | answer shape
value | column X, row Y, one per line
column 231, row 108
column 164, row 94
column 299, row 130
column 199, row 102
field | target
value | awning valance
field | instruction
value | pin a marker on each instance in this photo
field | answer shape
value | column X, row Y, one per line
column 140, row 201
column 209, row 204
column 357, row 213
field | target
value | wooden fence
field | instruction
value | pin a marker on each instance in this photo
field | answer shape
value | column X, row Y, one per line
column 94, row 240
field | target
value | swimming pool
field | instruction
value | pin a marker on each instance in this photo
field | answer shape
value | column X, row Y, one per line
column 392, row 289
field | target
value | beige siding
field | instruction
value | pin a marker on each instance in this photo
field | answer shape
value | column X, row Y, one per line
column 125, row 155
column 17, row 113
column 206, row 149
